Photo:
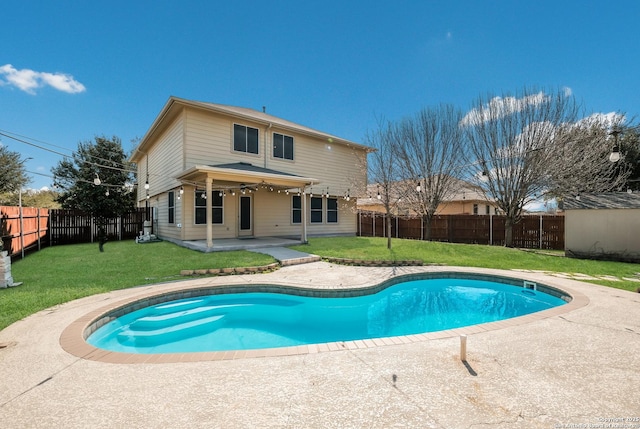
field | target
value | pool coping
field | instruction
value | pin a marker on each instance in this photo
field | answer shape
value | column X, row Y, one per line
column 73, row 338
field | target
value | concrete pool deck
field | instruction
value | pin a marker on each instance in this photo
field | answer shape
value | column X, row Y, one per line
column 568, row 368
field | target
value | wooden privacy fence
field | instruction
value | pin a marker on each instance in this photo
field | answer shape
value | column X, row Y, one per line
column 23, row 230
column 38, row 228
column 532, row 232
column 75, row 226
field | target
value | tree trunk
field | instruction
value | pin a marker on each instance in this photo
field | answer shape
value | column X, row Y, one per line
column 427, row 227
column 508, row 232
column 102, row 237
column 388, row 231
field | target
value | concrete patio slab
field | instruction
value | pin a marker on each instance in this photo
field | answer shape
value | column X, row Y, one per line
column 562, row 370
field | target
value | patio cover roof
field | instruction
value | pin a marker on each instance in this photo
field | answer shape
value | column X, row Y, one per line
column 243, row 172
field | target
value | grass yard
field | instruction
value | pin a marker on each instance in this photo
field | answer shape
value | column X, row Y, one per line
column 59, row 274
column 471, row 255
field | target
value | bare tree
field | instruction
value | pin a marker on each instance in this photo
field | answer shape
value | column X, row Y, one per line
column 383, row 168
column 578, row 160
column 430, row 153
column 511, row 143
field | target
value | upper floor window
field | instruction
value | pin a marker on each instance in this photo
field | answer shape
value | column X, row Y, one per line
column 282, row 146
column 245, row 139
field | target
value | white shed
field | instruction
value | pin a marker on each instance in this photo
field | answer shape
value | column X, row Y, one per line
column 603, row 226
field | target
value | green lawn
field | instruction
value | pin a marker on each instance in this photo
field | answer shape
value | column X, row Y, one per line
column 59, row 274
column 470, row 255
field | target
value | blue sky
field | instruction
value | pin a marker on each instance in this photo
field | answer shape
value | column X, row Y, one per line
column 75, row 69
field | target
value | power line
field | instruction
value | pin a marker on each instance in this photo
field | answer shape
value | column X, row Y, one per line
column 21, row 140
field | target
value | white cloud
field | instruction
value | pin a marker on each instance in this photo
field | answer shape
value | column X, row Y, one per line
column 29, row 80
column 499, row 107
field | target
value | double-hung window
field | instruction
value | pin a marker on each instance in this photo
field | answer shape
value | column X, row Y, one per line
column 172, row 207
column 316, row 210
column 296, row 209
column 332, row 210
column 245, row 139
column 216, row 207
column 282, row 146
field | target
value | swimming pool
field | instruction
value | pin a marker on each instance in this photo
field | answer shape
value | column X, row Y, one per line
column 257, row 320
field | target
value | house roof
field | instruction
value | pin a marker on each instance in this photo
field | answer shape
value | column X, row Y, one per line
column 175, row 104
column 465, row 191
column 610, row 200
column 243, row 172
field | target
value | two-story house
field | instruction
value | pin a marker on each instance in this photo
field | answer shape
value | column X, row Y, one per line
column 216, row 171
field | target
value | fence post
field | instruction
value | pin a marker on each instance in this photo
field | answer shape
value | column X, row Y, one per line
column 541, row 231
column 490, row 229
column 397, row 226
column 373, row 223
column 38, row 232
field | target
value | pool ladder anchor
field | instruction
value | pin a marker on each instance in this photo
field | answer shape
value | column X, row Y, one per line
column 530, row 285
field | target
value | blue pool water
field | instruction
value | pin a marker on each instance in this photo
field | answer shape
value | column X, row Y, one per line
column 245, row 321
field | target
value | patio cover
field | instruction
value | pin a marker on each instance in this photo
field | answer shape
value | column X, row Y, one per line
column 244, row 174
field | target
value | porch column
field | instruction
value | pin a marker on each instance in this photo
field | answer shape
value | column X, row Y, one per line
column 304, row 215
column 209, row 182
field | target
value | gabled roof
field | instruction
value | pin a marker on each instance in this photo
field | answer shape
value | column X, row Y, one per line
column 174, row 105
column 609, row 200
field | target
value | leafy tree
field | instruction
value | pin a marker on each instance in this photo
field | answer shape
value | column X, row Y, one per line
column 96, row 179
column 13, row 175
column 44, row 198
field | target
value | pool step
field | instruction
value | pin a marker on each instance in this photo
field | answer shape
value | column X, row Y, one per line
column 163, row 319
column 148, row 338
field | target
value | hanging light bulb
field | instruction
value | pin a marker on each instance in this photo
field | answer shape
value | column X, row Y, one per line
column 418, row 187
column 615, row 154
column 97, row 181
column 379, row 196
column 181, row 190
column 107, row 193
column 146, row 184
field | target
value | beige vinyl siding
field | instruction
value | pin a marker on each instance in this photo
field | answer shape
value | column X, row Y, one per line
column 272, row 217
column 164, row 228
column 210, row 140
column 165, row 162
column 336, row 166
column 347, row 219
column 191, row 231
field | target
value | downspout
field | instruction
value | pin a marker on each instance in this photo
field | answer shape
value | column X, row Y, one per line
column 266, row 135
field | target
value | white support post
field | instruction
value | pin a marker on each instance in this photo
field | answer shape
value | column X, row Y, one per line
column 304, row 215
column 463, row 348
column 209, row 204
